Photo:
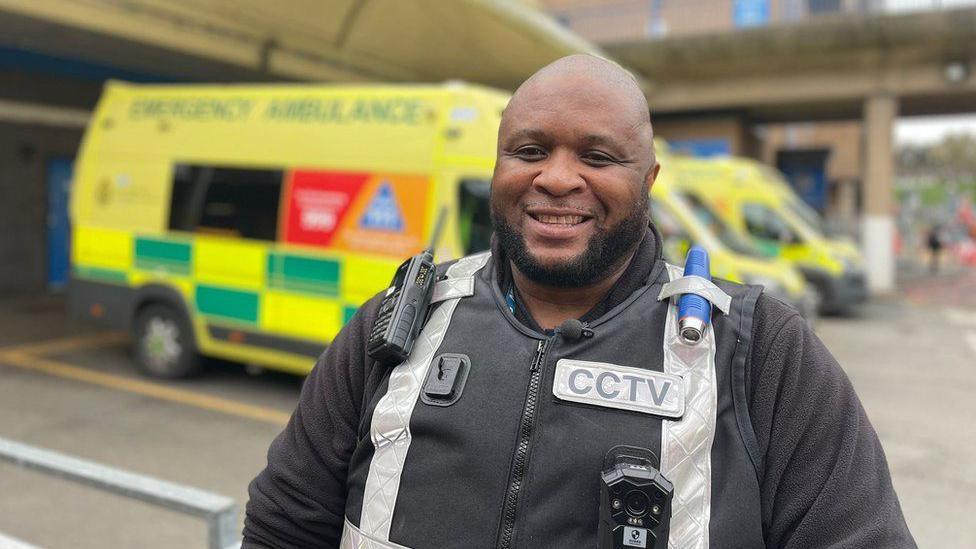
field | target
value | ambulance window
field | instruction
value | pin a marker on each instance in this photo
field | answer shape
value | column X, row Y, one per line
column 764, row 223
column 812, row 217
column 474, row 217
column 733, row 240
column 234, row 202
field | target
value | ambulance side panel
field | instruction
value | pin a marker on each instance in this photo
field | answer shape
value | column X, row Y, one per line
column 267, row 213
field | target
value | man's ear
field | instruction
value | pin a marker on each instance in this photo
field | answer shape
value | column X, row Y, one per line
column 652, row 175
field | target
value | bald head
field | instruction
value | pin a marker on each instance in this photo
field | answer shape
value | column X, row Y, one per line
column 582, row 76
column 587, row 71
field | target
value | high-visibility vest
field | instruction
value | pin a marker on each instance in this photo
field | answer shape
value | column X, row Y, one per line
column 513, row 459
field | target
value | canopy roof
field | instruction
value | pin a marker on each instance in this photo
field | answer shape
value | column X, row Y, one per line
column 492, row 42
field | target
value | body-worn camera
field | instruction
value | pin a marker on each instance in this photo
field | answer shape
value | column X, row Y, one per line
column 403, row 310
column 635, row 500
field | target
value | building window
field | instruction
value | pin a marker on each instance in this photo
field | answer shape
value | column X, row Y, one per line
column 241, row 203
column 823, row 6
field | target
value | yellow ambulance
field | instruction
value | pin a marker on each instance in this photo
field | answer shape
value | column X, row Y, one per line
column 765, row 209
column 842, row 245
column 683, row 221
column 250, row 222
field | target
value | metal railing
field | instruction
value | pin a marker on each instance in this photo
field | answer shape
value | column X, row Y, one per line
column 220, row 512
column 624, row 20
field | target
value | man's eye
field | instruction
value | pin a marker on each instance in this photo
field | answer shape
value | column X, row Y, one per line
column 597, row 159
column 530, row 153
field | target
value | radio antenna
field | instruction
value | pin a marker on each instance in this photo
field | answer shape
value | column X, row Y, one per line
column 438, row 227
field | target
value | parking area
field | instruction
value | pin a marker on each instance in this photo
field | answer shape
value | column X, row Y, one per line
column 76, row 392
column 73, row 389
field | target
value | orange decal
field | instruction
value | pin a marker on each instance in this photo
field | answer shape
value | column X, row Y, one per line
column 388, row 216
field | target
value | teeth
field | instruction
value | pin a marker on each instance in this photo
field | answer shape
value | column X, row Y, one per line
column 560, row 219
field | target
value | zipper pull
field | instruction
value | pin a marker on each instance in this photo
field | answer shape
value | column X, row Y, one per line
column 538, row 356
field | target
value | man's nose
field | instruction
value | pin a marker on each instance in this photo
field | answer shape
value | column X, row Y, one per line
column 559, row 175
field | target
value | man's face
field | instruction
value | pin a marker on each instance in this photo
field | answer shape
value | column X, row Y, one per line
column 569, row 192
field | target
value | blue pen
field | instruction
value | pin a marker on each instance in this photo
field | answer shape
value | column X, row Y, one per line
column 694, row 311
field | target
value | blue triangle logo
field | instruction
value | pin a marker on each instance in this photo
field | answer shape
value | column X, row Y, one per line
column 383, row 212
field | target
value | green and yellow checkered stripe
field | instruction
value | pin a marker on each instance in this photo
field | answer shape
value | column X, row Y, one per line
column 252, row 285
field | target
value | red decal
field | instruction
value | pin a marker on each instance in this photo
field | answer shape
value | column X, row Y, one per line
column 317, row 202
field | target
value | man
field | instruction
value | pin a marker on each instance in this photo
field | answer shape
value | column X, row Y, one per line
column 934, row 242
column 770, row 447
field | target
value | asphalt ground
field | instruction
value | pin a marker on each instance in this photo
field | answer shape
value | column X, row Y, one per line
column 72, row 389
column 75, row 391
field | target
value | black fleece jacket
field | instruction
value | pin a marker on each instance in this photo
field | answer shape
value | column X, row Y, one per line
column 824, row 480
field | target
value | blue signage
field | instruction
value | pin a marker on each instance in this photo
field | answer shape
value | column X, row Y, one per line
column 702, row 147
column 750, row 13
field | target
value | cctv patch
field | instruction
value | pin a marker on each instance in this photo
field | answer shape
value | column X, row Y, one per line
column 621, row 387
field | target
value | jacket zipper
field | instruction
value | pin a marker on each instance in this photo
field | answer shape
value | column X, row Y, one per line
column 526, row 425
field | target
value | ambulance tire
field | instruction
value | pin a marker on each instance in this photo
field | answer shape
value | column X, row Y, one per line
column 163, row 343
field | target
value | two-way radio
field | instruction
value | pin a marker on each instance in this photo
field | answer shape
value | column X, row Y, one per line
column 403, row 309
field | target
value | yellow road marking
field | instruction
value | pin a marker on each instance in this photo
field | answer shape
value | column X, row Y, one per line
column 69, row 343
column 20, row 358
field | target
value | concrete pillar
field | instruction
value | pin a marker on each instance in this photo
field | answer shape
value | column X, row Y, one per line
column 845, row 206
column 877, row 223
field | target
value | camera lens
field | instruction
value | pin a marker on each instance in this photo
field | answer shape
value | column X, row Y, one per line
column 637, row 503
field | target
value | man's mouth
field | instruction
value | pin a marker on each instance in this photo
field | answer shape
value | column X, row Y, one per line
column 558, row 219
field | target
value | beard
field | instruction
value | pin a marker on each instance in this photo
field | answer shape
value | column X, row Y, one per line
column 607, row 248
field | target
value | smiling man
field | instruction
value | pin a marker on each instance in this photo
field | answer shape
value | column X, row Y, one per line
column 570, row 190
column 541, row 357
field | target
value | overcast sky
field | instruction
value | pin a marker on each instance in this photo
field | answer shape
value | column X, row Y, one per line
column 924, row 130
column 917, row 5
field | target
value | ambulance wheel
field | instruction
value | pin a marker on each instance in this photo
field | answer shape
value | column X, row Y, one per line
column 163, row 343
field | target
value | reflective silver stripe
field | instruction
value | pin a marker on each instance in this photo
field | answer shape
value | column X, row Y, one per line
column 354, row 538
column 453, row 288
column 697, row 285
column 390, row 428
column 686, row 445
